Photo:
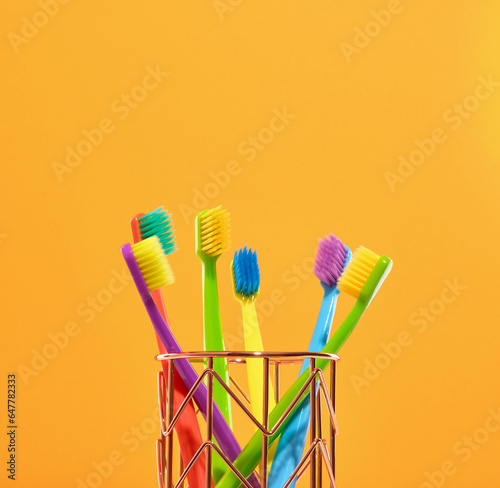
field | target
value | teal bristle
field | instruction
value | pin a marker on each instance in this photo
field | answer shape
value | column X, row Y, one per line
column 159, row 223
column 246, row 272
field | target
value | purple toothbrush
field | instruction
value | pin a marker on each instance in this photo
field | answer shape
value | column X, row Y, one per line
column 153, row 267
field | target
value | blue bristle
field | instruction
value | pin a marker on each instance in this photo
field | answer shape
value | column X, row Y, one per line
column 159, row 223
column 246, row 272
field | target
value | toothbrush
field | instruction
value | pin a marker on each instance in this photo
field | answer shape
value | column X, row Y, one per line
column 331, row 259
column 246, row 285
column 212, row 238
column 150, row 270
column 159, row 223
column 361, row 279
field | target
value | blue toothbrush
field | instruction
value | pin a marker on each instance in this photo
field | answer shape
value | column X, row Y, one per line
column 331, row 259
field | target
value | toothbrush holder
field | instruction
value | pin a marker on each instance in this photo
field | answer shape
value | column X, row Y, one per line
column 319, row 455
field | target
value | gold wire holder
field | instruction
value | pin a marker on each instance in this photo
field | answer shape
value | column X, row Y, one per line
column 319, row 451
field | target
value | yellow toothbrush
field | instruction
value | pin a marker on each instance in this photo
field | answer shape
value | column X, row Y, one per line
column 246, row 286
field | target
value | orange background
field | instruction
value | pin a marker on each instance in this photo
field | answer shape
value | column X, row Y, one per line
column 326, row 171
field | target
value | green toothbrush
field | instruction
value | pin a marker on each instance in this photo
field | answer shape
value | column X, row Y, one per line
column 362, row 279
column 212, row 239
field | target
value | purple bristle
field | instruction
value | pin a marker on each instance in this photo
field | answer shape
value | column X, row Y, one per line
column 330, row 260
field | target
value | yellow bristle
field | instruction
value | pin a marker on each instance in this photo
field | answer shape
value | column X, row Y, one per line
column 357, row 271
column 153, row 263
column 214, row 231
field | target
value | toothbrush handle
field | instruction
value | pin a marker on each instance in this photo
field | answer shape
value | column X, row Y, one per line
column 324, row 321
column 187, row 428
column 221, row 430
column 255, row 367
column 212, row 335
column 251, row 454
column 293, row 439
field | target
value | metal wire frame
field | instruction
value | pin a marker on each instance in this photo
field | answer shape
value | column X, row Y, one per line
column 316, row 454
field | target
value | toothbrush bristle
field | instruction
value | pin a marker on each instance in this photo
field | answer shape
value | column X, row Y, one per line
column 159, row 223
column 153, row 263
column 214, row 231
column 246, row 272
column 357, row 271
column 331, row 257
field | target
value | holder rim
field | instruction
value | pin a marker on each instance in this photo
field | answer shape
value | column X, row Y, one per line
column 240, row 356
